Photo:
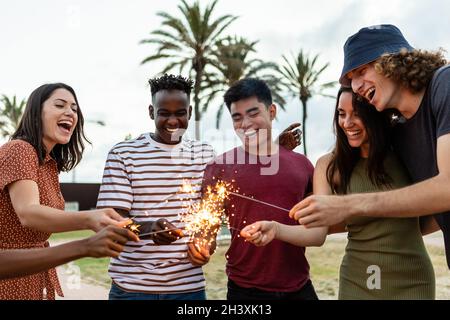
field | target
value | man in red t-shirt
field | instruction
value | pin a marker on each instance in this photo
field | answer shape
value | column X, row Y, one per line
column 264, row 171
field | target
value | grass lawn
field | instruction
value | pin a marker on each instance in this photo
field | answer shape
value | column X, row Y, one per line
column 72, row 235
column 324, row 263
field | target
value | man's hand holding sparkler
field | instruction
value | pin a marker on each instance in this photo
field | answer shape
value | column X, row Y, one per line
column 163, row 238
column 203, row 220
column 260, row 233
column 203, row 245
column 200, row 251
column 161, row 231
column 325, row 210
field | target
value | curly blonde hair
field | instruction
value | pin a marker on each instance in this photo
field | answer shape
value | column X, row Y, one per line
column 412, row 69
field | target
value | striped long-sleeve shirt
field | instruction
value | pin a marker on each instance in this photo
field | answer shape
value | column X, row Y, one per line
column 144, row 177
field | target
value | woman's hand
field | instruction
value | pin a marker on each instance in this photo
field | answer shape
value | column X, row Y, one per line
column 260, row 233
column 101, row 218
column 108, row 242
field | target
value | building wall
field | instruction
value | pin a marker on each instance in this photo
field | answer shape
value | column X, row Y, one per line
column 85, row 194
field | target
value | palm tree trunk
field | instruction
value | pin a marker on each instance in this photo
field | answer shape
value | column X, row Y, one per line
column 305, row 115
column 197, row 113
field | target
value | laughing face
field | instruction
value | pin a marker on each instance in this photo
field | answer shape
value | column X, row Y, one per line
column 171, row 112
column 252, row 121
column 59, row 118
column 378, row 90
column 352, row 125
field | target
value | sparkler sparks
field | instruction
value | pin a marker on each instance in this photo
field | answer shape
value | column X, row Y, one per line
column 202, row 220
column 133, row 227
column 187, row 187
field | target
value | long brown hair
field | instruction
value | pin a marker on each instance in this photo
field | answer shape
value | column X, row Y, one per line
column 344, row 157
column 67, row 156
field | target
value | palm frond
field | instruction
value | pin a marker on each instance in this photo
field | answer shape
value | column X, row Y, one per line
column 156, row 57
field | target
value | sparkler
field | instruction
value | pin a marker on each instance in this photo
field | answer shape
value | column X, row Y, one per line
column 159, row 231
column 203, row 219
column 133, row 227
column 259, row 201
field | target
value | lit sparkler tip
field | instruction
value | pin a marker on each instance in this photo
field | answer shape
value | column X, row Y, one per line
column 186, row 187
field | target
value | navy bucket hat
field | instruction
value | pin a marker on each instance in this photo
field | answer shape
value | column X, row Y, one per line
column 370, row 43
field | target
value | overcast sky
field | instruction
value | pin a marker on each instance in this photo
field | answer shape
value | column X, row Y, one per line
column 93, row 46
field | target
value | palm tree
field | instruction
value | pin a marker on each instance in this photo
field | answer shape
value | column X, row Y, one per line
column 10, row 115
column 301, row 76
column 188, row 41
column 231, row 63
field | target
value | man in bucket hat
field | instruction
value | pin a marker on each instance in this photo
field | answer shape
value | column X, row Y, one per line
column 383, row 68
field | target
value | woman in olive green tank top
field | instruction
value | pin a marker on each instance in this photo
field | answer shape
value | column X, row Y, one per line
column 385, row 258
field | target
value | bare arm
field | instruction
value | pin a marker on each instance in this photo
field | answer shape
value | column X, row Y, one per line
column 300, row 236
column 263, row 232
column 107, row 243
column 322, row 187
column 24, row 196
column 424, row 198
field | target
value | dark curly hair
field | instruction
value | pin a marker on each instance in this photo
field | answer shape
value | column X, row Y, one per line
column 413, row 70
column 170, row 82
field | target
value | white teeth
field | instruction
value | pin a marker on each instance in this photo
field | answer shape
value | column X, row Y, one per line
column 250, row 133
column 66, row 124
column 353, row 133
column 66, row 121
column 368, row 93
column 172, row 130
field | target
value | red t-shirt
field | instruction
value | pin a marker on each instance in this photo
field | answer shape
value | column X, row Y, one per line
column 286, row 180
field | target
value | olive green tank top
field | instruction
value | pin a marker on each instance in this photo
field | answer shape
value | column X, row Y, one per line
column 385, row 258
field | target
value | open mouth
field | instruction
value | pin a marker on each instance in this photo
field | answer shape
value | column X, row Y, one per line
column 172, row 130
column 353, row 133
column 65, row 126
column 370, row 94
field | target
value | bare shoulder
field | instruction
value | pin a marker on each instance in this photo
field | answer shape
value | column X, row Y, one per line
column 322, row 166
column 324, row 161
